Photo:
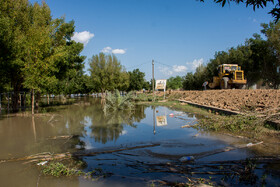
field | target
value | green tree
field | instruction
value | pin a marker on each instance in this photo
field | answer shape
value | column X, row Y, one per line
column 38, row 66
column 71, row 63
column 188, row 83
column 175, row 83
column 107, row 73
column 36, row 51
column 275, row 12
column 272, row 65
column 136, row 80
column 14, row 22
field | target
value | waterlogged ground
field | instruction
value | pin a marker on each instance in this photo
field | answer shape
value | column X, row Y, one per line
column 141, row 148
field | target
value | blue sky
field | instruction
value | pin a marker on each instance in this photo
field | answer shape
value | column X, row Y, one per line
column 177, row 34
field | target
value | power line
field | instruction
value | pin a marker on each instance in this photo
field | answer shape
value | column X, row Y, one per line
column 138, row 65
column 163, row 64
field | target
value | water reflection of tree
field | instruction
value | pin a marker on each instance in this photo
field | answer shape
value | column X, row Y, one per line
column 89, row 114
column 110, row 126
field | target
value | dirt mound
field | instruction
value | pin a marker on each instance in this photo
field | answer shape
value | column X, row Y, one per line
column 259, row 101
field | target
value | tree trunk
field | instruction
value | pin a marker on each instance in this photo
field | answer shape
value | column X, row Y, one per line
column 32, row 101
column 15, row 100
column 17, row 85
column 48, row 99
column 23, row 97
column 37, row 99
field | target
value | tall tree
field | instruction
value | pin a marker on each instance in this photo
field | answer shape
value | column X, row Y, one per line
column 14, row 23
column 188, row 83
column 272, row 32
column 136, row 80
column 107, row 73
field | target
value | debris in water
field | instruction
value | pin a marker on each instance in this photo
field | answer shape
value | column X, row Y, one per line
column 171, row 115
column 251, row 144
column 186, row 158
column 185, row 126
column 42, row 163
column 195, row 135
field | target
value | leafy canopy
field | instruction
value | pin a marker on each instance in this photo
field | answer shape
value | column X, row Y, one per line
column 107, row 73
column 136, row 80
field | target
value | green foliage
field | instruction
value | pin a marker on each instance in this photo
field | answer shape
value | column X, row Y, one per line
column 136, row 80
column 59, row 169
column 117, row 102
column 107, row 73
column 195, row 81
column 234, row 124
column 275, row 12
column 36, row 50
column 175, row 83
column 272, row 66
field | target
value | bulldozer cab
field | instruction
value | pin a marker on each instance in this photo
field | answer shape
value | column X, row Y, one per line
column 226, row 69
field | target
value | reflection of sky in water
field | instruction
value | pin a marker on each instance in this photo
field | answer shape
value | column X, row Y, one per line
column 144, row 131
column 87, row 135
column 177, row 140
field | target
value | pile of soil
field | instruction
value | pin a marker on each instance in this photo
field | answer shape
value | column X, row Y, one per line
column 262, row 102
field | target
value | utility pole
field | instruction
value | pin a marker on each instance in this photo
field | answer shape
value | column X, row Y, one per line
column 153, row 84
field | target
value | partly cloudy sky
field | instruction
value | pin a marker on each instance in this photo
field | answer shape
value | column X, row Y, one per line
column 114, row 51
column 181, row 69
column 166, row 31
column 82, row 37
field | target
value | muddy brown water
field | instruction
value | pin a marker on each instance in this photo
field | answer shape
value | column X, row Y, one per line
column 154, row 135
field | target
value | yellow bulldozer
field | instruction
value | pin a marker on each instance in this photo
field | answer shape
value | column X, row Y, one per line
column 229, row 76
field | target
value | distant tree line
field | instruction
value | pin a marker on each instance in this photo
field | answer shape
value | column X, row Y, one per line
column 259, row 58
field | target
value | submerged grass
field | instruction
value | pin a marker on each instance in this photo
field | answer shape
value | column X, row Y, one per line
column 69, row 169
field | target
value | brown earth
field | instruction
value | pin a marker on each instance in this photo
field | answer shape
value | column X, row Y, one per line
column 260, row 102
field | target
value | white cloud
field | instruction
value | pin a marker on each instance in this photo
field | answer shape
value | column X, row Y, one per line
column 174, row 71
column 106, row 50
column 166, row 71
column 82, row 37
column 194, row 64
column 118, row 51
column 114, row 51
column 179, row 69
column 124, row 132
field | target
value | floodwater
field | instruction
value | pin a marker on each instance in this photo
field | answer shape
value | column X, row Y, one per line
column 139, row 148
